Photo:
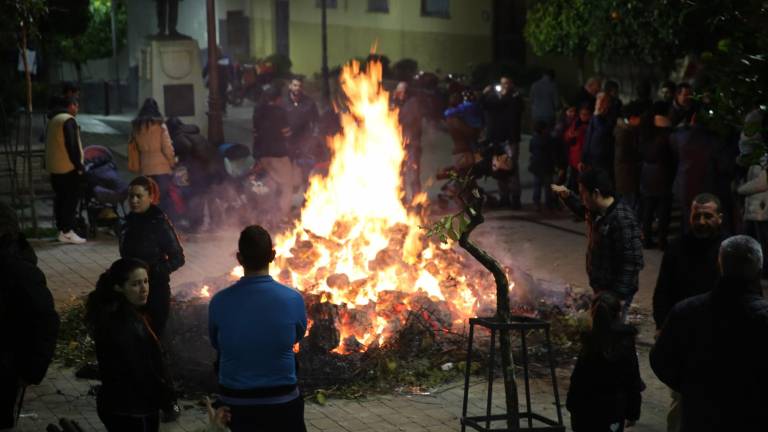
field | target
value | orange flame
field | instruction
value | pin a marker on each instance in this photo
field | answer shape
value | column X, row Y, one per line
column 204, row 291
column 355, row 240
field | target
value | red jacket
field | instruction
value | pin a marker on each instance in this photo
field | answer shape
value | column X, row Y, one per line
column 574, row 138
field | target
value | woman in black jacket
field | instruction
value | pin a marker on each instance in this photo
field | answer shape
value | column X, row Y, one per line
column 605, row 384
column 148, row 235
column 135, row 384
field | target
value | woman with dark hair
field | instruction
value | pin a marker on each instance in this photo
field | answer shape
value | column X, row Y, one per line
column 135, row 384
column 148, row 235
column 151, row 152
column 605, row 384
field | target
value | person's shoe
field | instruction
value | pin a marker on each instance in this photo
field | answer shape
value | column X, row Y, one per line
column 70, row 237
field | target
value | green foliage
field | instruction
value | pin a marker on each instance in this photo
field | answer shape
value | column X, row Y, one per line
column 559, row 26
column 735, row 66
column 74, row 346
column 642, row 31
column 96, row 42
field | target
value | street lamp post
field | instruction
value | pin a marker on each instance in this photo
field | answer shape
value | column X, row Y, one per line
column 115, row 61
column 215, row 125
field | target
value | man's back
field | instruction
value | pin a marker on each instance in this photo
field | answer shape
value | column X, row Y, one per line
column 254, row 324
column 688, row 268
column 712, row 350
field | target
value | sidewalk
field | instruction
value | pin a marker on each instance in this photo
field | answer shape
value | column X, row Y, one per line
column 545, row 253
column 548, row 246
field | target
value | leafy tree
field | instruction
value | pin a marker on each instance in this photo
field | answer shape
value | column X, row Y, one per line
column 560, row 27
column 639, row 31
column 96, row 41
column 734, row 58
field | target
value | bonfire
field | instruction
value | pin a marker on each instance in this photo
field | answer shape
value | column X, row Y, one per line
column 358, row 246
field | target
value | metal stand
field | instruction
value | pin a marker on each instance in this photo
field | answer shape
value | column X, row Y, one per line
column 515, row 324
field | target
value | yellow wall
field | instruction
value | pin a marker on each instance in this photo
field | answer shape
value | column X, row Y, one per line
column 436, row 43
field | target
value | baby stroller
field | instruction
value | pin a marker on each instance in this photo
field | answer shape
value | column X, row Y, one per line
column 103, row 191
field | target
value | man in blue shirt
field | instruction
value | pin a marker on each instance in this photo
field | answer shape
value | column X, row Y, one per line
column 254, row 325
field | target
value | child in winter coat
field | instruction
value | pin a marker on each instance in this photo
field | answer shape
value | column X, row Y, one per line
column 605, row 385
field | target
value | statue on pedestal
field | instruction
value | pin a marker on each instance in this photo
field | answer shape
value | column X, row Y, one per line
column 167, row 18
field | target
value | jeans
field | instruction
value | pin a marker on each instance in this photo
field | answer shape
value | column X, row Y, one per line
column 509, row 184
column 66, row 189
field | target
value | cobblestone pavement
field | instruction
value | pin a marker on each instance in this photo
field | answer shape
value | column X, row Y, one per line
column 547, row 246
column 72, row 272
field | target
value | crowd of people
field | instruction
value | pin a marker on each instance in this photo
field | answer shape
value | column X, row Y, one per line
column 617, row 166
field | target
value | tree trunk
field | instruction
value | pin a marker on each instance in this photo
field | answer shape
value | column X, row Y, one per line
column 474, row 211
column 25, row 62
column 27, row 135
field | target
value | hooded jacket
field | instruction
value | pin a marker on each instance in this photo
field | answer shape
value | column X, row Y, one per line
column 150, row 237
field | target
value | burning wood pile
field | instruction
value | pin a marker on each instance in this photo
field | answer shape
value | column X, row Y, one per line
column 371, row 280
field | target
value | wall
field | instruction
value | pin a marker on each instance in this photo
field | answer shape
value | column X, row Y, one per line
column 436, row 43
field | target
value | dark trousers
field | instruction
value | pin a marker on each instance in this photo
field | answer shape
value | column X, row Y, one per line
column 66, row 189
column 286, row 417
column 129, row 423
column 10, row 393
column 159, row 301
column 543, row 183
column 656, row 206
column 509, row 184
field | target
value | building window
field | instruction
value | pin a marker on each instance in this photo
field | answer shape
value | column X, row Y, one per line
column 329, row 4
column 378, row 6
column 436, row 8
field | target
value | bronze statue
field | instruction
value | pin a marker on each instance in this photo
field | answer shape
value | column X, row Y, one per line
column 167, row 18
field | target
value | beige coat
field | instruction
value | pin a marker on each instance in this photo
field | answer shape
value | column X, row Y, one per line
column 756, row 194
column 156, row 154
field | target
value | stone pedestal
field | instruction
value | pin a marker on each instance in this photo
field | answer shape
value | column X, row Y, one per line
column 170, row 71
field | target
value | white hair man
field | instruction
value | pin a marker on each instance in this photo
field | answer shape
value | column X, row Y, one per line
column 711, row 348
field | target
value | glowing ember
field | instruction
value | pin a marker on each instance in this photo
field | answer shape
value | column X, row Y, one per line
column 204, row 291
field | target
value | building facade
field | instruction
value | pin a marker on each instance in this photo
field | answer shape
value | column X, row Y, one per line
column 441, row 35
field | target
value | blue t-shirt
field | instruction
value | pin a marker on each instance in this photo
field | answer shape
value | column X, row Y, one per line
column 253, row 325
